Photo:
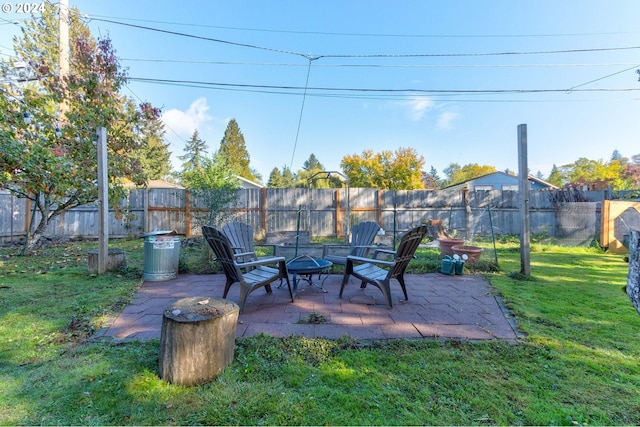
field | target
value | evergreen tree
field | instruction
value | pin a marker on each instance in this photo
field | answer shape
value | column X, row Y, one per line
column 153, row 155
column 275, row 179
column 308, row 176
column 288, row 178
column 312, row 163
column 616, row 155
column 233, row 147
column 194, row 153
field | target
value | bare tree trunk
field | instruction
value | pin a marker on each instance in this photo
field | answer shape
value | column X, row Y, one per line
column 42, row 205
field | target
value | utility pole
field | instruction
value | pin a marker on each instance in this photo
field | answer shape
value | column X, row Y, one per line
column 523, row 172
column 103, row 200
column 63, row 46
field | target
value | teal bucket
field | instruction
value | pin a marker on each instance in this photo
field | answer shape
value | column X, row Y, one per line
column 448, row 265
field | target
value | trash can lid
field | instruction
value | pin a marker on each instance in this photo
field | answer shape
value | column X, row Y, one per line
column 159, row 233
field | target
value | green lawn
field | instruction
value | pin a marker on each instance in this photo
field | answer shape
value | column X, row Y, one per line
column 577, row 365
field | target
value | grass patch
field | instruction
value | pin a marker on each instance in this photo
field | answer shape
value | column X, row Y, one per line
column 578, row 364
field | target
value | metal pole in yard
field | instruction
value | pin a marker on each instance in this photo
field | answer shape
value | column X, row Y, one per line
column 523, row 171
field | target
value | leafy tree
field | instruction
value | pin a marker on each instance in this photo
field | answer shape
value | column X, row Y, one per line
column 194, row 152
column 213, row 188
column 399, row 170
column 595, row 174
column 153, row 155
column 363, row 170
column 234, row 149
column 556, row 177
column 52, row 160
column 309, row 175
column 632, row 172
column 457, row 174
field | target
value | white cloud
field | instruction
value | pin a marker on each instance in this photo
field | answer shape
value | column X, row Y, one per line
column 445, row 120
column 185, row 122
column 181, row 124
column 418, row 106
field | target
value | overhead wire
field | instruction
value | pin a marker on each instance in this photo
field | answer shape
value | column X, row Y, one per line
column 304, row 97
column 381, row 90
column 343, row 34
column 380, row 55
column 274, row 64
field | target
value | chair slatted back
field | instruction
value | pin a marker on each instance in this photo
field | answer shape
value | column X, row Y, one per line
column 363, row 234
column 406, row 250
column 240, row 234
column 222, row 249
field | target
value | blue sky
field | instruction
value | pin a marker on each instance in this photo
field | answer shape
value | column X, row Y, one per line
column 451, row 79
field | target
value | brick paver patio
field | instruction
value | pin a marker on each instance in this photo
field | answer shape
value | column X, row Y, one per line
column 439, row 306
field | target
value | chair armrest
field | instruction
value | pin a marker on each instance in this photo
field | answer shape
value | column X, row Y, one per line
column 353, row 248
column 384, row 252
column 261, row 261
column 362, row 260
column 327, row 248
column 243, row 254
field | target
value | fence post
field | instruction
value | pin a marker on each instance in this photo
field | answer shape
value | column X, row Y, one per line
column 263, row 209
column 338, row 214
column 187, row 212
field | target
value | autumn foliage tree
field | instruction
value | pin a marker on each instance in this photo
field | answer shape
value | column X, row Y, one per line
column 619, row 173
column 389, row 170
column 52, row 160
column 456, row 173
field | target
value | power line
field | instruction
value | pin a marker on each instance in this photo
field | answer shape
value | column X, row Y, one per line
column 343, row 34
column 382, row 55
column 274, row 64
column 379, row 90
column 204, row 38
column 604, row 77
column 304, row 97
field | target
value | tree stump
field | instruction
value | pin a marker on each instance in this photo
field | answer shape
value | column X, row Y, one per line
column 197, row 339
column 115, row 260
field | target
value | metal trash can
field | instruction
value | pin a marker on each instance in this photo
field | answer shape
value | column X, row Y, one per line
column 161, row 255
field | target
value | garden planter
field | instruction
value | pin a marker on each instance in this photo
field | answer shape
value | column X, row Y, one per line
column 473, row 252
column 447, row 244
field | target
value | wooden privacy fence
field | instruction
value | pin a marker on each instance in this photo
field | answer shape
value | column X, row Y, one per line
column 326, row 212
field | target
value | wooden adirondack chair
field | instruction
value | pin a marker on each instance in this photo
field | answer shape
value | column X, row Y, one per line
column 379, row 272
column 252, row 274
column 362, row 236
